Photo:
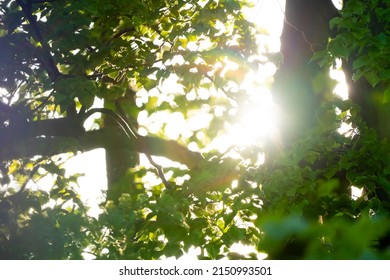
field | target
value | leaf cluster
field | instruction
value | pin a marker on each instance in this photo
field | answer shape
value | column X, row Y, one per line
column 362, row 36
column 310, row 207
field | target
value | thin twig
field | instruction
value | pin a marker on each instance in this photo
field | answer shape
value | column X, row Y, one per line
column 159, row 171
column 311, row 45
column 30, row 177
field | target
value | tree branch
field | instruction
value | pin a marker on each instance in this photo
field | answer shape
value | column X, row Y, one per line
column 113, row 138
column 45, row 57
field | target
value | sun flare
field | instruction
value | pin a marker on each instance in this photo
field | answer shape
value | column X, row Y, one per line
column 256, row 120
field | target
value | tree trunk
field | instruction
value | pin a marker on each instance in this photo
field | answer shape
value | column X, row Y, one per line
column 305, row 31
column 118, row 162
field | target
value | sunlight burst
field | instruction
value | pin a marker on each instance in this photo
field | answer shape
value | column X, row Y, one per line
column 256, row 121
column 256, row 117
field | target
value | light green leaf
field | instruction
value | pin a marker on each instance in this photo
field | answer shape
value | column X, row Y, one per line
column 386, row 96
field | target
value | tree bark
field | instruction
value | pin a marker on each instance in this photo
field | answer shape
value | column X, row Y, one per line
column 305, row 31
column 35, row 143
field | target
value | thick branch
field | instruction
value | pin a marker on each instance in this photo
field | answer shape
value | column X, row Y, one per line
column 102, row 138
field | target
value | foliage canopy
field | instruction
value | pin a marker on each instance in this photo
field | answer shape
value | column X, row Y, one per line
column 153, row 61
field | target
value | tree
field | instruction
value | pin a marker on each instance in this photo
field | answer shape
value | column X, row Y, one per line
column 59, row 57
column 308, row 186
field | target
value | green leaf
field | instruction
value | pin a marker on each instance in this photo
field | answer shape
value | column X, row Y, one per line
column 335, row 22
column 360, row 62
column 339, row 47
column 150, row 84
column 87, row 100
column 386, row 96
column 372, row 77
column 66, row 89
